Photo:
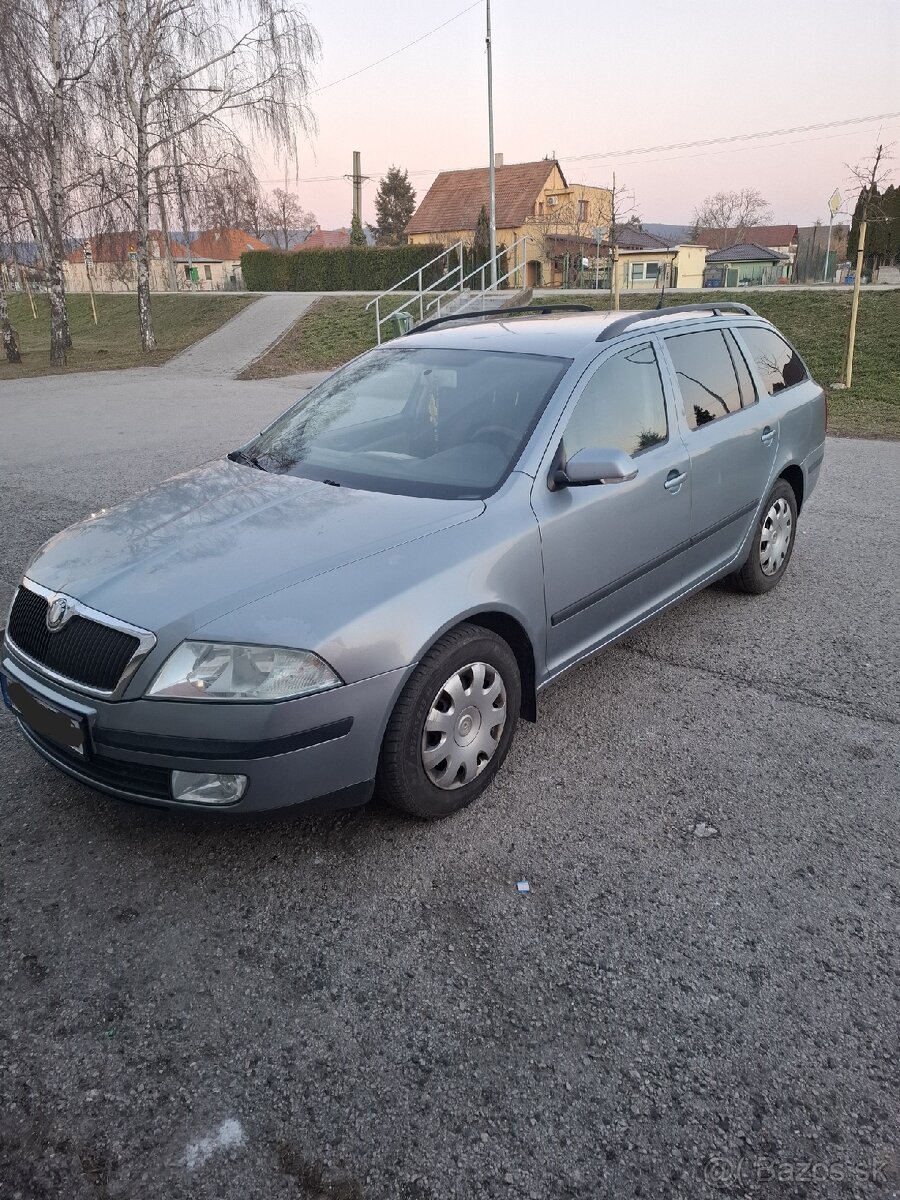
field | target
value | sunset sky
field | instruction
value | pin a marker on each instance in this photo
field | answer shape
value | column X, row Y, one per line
column 590, row 77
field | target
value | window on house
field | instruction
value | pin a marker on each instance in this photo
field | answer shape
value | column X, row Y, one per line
column 582, row 210
column 207, row 271
column 539, row 208
column 651, row 271
column 637, row 272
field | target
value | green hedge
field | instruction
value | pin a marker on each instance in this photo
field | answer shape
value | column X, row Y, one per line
column 348, row 269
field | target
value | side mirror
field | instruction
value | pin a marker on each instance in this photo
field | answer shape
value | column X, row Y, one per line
column 594, row 466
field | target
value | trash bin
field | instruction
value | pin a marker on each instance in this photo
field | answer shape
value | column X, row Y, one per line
column 401, row 322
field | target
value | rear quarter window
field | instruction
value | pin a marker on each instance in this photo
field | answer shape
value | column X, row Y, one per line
column 778, row 363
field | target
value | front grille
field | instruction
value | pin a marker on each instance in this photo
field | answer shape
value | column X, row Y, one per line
column 151, row 783
column 83, row 650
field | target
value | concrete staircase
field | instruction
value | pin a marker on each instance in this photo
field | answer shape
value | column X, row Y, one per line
column 469, row 302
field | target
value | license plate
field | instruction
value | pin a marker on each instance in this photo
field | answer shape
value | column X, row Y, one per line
column 48, row 721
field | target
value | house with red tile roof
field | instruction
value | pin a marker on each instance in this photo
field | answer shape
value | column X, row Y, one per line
column 533, row 200
column 325, row 239
column 213, row 264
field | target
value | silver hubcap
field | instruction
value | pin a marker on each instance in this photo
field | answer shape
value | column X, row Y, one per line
column 777, row 530
column 464, row 726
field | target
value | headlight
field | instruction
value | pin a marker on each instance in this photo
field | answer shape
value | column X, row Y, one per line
column 222, row 671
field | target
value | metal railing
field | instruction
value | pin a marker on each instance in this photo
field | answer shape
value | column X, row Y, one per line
column 520, row 246
column 455, row 272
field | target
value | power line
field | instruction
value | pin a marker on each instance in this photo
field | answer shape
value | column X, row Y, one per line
column 393, row 54
column 740, row 137
column 737, row 137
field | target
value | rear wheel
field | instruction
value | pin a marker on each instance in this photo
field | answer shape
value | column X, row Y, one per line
column 773, row 542
column 453, row 725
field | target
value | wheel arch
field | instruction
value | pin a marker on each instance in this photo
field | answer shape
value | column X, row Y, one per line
column 793, row 474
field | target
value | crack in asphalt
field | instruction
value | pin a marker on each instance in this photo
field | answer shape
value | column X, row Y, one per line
column 806, row 696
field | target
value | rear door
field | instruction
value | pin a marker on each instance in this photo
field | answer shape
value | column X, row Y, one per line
column 731, row 437
column 612, row 551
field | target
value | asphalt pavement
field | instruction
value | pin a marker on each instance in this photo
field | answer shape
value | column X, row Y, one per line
column 698, row 995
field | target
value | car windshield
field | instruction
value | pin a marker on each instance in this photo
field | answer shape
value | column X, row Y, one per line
column 418, row 422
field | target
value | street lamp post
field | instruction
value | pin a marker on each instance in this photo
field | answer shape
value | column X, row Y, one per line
column 492, row 216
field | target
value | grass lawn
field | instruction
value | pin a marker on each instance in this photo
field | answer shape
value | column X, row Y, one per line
column 114, row 341
column 338, row 327
column 335, row 329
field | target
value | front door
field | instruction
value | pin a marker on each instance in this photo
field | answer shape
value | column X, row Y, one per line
column 611, row 551
column 731, row 438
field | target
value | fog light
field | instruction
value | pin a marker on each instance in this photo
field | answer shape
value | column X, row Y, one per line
column 207, row 787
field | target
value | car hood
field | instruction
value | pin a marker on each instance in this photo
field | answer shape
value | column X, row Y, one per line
column 222, row 535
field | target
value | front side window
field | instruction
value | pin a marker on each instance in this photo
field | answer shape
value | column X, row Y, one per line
column 706, row 376
column 414, row 421
column 622, row 406
column 778, row 363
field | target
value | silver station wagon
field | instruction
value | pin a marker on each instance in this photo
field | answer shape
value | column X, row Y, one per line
column 370, row 593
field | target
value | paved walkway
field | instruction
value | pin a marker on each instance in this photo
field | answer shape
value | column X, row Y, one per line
column 244, row 338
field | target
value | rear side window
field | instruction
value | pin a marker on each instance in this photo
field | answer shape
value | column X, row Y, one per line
column 778, row 363
column 707, row 376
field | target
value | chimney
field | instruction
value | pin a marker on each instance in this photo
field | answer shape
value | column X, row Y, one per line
column 498, row 160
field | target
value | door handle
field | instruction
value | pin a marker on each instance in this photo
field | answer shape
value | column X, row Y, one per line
column 767, row 436
column 674, row 480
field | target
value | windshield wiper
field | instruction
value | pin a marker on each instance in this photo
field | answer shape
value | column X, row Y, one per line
column 242, row 456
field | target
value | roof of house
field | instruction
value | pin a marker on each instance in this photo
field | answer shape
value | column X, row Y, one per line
column 455, row 199
column 325, row 239
column 670, row 234
column 758, row 235
column 224, row 243
column 746, row 252
column 116, row 247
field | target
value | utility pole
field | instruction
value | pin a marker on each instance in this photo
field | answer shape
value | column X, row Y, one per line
column 357, row 179
column 857, row 280
column 492, row 182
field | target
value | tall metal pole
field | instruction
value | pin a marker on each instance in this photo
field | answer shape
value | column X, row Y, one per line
column 492, row 216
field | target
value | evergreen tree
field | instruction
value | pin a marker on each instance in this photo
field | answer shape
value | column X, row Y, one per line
column 395, row 203
column 357, row 234
column 481, row 244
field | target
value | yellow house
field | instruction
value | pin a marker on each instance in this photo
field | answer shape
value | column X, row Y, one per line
column 651, row 264
column 533, row 200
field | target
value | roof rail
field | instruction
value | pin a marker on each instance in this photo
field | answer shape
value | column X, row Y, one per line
column 500, row 313
column 715, row 307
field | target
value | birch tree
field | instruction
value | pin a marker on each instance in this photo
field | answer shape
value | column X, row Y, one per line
column 179, row 72
column 49, row 50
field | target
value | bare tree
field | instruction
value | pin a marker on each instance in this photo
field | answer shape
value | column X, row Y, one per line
column 622, row 213
column 727, row 216
column 50, row 48
column 10, row 341
column 180, row 72
column 225, row 195
column 283, row 213
column 869, row 176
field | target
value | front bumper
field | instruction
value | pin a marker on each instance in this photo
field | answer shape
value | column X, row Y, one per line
column 318, row 751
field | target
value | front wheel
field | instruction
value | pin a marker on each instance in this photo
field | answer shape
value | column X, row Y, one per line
column 453, row 725
column 773, row 542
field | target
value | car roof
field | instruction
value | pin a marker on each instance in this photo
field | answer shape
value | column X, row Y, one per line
column 563, row 336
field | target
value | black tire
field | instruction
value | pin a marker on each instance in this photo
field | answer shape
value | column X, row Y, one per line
column 402, row 779
column 751, row 577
